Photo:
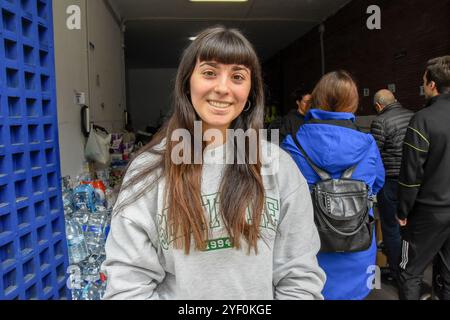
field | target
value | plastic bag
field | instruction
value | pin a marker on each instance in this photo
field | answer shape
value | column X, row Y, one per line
column 97, row 147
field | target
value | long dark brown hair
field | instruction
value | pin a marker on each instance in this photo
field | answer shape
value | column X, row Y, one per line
column 336, row 91
column 241, row 186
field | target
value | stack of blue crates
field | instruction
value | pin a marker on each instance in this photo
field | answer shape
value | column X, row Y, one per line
column 33, row 251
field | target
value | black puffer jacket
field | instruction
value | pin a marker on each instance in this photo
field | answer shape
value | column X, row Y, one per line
column 389, row 130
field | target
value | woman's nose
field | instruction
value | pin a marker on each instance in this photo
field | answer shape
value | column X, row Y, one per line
column 222, row 86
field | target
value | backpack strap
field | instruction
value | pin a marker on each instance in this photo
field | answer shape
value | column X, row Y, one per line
column 349, row 172
column 321, row 173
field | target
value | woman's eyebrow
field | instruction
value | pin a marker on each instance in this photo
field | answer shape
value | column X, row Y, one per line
column 216, row 65
column 239, row 68
column 209, row 63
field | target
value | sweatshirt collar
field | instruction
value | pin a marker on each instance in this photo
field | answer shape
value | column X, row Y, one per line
column 329, row 115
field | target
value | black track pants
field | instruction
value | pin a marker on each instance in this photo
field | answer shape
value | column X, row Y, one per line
column 424, row 236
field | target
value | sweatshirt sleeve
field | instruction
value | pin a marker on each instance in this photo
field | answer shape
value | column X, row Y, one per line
column 132, row 265
column 296, row 272
column 415, row 153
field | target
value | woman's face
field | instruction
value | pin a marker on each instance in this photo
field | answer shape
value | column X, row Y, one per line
column 219, row 92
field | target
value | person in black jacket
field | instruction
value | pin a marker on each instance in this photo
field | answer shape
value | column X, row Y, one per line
column 424, row 185
column 295, row 118
column 389, row 129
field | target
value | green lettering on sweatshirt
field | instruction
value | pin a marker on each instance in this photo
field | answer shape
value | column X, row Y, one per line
column 211, row 205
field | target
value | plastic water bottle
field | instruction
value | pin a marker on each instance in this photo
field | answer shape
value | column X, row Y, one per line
column 99, row 192
column 67, row 196
column 66, row 183
column 95, row 231
column 111, row 198
column 84, row 196
column 75, row 281
column 108, row 222
column 67, row 202
column 76, row 294
column 91, row 292
column 91, row 268
column 76, row 242
column 81, row 216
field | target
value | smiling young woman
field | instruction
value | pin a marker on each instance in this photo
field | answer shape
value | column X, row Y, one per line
column 213, row 230
column 219, row 93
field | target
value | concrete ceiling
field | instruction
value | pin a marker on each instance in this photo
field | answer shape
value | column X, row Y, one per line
column 157, row 31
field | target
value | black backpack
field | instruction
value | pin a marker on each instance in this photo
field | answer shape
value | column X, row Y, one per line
column 341, row 210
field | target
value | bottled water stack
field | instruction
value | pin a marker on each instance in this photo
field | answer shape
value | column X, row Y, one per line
column 95, row 231
column 76, row 242
column 87, row 223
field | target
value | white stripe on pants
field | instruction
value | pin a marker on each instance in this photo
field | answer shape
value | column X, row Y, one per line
column 404, row 261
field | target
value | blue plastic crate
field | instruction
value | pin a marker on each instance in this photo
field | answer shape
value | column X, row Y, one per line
column 33, row 249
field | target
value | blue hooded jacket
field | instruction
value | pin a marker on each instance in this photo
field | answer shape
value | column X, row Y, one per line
column 336, row 148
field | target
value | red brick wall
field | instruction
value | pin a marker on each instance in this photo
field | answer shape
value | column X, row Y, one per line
column 420, row 29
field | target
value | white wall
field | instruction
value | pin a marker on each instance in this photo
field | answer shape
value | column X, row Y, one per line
column 71, row 74
column 77, row 69
column 149, row 95
column 106, row 68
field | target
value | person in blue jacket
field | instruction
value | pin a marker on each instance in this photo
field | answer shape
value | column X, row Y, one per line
column 332, row 140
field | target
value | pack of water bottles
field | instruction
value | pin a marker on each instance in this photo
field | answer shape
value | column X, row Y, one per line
column 87, row 208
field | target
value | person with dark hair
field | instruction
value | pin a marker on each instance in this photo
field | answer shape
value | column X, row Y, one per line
column 213, row 229
column 424, row 189
column 302, row 100
column 296, row 117
column 389, row 129
column 333, row 143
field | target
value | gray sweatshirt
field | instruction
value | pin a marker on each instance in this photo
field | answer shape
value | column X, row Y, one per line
column 141, row 262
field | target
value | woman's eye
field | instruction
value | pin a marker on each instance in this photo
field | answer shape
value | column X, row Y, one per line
column 238, row 77
column 208, row 73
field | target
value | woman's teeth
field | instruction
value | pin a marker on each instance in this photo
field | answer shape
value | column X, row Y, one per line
column 218, row 104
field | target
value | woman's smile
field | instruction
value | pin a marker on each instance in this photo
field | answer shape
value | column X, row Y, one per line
column 219, row 104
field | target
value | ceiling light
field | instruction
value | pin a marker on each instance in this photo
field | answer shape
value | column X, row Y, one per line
column 192, row 38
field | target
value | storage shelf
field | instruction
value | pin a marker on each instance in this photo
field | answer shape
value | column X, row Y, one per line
column 33, row 249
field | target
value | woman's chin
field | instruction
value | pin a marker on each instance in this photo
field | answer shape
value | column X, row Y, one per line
column 219, row 124
column 214, row 120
